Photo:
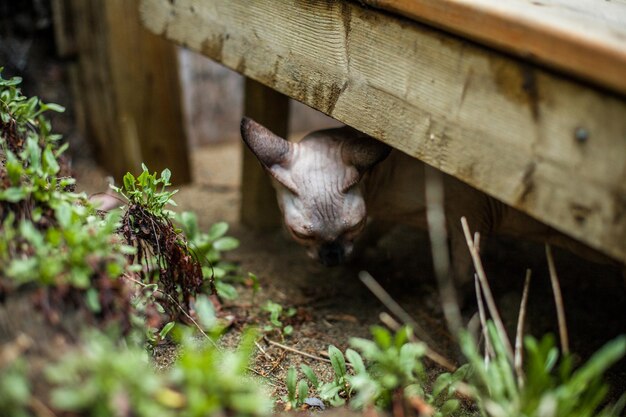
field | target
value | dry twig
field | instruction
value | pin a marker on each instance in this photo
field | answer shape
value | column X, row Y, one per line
column 299, row 352
column 558, row 301
column 482, row 277
column 483, row 321
column 520, row 331
column 437, row 232
column 393, row 306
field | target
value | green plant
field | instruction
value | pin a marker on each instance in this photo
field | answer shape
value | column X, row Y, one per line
column 277, row 313
column 208, row 248
column 214, row 381
column 30, row 152
column 32, row 174
column 294, row 398
column 53, row 236
column 394, row 365
column 15, row 390
column 71, row 252
column 148, row 191
column 549, row 386
column 104, row 376
column 163, row 250
column 336, row 391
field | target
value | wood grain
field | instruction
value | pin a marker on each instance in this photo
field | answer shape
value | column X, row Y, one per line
column 128, row 82
column 585, row 38
column 542, row 143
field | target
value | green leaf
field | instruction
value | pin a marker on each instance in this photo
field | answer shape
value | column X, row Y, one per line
column 442, row 382
column 310, row 375
column 226, row 243
column 337, row 361
column 205, row 312
column 129, row 181
column 13, row 194
column 114, row 269
column 368, row 348
column 13, row 81
column 93, row 300
column 63, row 214
column 166, row 174
column 226, row 291
column 14, row 168
column 166, row 329
column 382, row 337
column 449, row 407
column 356, row 361
column 303, row 390
column 287, row 330
column 50, row 164
column 291, row 383
column 189, row 221
column 69, row 399
column 217, row 230
column 52, row 107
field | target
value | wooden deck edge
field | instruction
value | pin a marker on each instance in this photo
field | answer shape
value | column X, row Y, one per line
column 545, row 145
column 509, row 27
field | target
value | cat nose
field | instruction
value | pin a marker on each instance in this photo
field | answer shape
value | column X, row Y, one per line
column 331, row 254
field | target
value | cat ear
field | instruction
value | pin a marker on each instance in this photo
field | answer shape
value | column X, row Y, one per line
column 274, row 152
column 363, row 152
column 269, row 148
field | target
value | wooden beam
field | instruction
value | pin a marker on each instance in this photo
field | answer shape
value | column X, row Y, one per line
column 128, row 79
column 542, row 143
column 585, row 38
column 259, row 209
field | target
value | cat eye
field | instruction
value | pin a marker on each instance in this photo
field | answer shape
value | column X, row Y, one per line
column 356, row 228
column 301, row 235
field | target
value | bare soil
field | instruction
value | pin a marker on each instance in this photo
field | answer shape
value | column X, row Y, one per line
column 333, row 305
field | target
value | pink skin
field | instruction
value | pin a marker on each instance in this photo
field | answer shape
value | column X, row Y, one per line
column 318, row 185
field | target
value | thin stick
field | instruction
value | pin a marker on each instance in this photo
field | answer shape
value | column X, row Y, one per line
column 434, row 356
column 393, row 306
column 482, row 277
column 437, row 232
column 483, row 321
column 40, row 409
column 520, row 331
column 267, row 356
column 299, row 352
column 262, row 375
column 558, row 301
column 179, row 306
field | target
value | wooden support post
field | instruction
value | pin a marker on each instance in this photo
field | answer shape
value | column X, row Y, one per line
column 129, row 87
column 259, row 209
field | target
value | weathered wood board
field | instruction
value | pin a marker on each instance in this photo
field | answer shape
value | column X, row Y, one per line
column 542, row 143
column 128, row 83
column 585, row 38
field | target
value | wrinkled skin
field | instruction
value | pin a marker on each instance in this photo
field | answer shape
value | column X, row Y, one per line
column 330, row 182
column 318, row 185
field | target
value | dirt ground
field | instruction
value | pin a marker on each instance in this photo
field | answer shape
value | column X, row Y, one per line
column 333, row 305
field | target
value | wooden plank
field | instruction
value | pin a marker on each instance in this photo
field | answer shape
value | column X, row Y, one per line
column 63, row 28
column 586, row 38
column 544, row 144
column 259, row 209
column 129, row 81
